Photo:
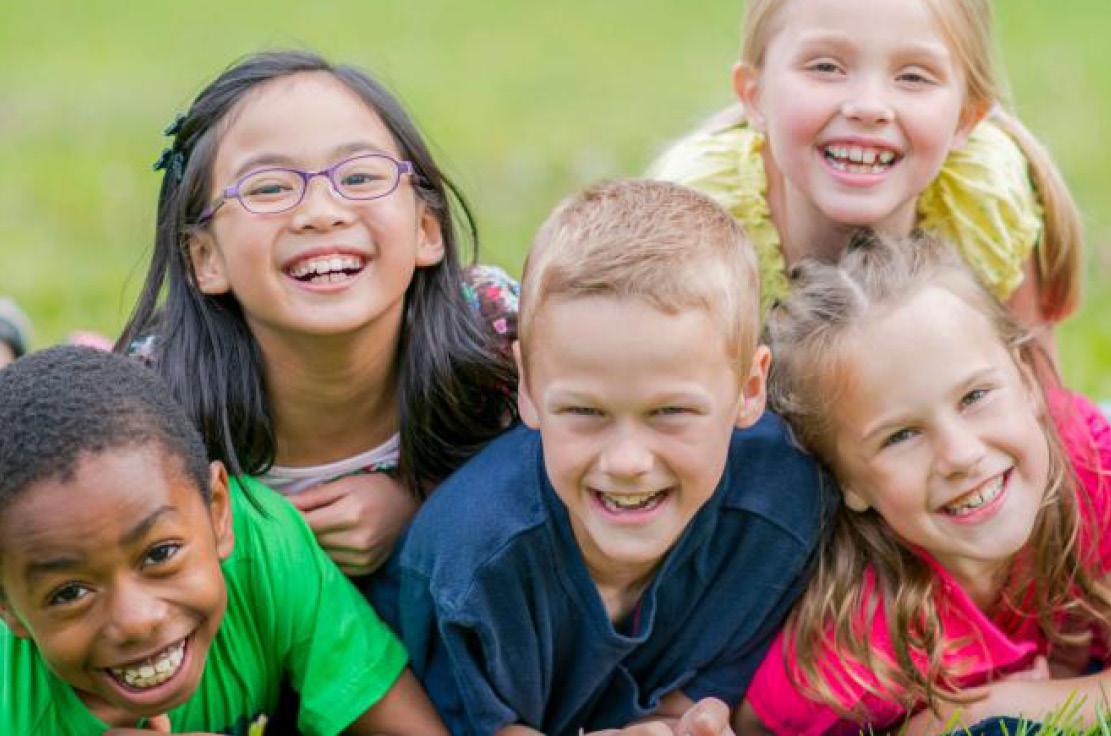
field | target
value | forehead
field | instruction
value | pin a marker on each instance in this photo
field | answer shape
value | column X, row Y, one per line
column 921, row 350
column 894, row 23
column 303, row 118
column 622, row 339
column 90, row 513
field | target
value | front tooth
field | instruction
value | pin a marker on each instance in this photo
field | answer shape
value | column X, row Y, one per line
column 336, row 263
column 856, row 154
column 869, row 157
column 886, row 157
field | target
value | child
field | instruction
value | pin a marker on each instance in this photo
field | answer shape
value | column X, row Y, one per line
column 137, row 586
column 315, row 324
column 886, row 115
column 613, row 566
column 971, row 543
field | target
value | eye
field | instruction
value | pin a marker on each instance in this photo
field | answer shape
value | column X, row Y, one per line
column 672, row 411
column 916, row 77
column 581, row 411
column 161, row 553
column 825, row 68
column 68, row 593
column 974, row 396
column 898, row 436
column 357, row 179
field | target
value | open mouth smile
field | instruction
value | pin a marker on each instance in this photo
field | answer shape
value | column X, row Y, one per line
column 857, row 159
column 330, row 269
column 152, row 671
column 979, row 498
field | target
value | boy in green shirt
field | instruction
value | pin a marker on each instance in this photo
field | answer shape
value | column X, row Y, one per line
column 139, row 588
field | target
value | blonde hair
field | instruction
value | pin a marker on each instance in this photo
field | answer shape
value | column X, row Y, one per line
column 663, row 243
column 967, row 27
column 808, row 334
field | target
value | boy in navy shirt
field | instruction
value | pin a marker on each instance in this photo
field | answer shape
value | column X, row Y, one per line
column 625, row 558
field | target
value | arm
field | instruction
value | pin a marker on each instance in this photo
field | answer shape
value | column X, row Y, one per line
column 404, row 709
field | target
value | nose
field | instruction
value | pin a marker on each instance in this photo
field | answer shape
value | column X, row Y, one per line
column 136, row 612
column 321, row 208
column 958, row 449
column 626, row 455
column 867, row 103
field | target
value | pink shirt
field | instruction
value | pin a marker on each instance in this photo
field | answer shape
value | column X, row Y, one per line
column 994, row 646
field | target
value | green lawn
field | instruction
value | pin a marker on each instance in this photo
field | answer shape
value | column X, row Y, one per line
column 524, row 101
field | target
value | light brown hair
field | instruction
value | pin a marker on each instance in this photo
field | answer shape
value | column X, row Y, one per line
column 663, row 243
column 808, row 334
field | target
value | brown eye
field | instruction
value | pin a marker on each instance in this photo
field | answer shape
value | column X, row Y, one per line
column 161, row 553
column 68, row 593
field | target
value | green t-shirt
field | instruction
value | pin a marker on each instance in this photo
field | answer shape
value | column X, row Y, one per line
column 290, row 611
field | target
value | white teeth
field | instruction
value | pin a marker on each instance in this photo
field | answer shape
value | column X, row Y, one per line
column 155, row 670
column 325, row 265
column 859, row 159
column 973, row 500
column 856, row 155
column 869, row 157
column 886, row 157
column 631, row 501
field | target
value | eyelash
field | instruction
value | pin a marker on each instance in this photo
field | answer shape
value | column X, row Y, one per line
column 174, row 548
column 54, row 599
column 974, row 396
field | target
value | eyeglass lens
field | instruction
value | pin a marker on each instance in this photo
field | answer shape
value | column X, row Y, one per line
column 275, row 190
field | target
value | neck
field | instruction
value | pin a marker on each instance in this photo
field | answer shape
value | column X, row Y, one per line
column 982, row 581
column 332, row 397
column 620, row 587
column 806, row 232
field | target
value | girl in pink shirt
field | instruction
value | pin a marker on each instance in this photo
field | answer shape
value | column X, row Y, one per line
column 966, row 569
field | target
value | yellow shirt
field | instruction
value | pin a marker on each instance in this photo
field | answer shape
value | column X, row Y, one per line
column 982, row 201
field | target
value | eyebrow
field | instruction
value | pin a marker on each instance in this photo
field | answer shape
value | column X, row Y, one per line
column 910, row 47
column 277, row 159
column 62, row 562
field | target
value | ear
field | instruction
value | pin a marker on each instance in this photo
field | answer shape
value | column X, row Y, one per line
column 754, row 389
column 971, row 116
column 855, row 501
column 219, row 509
column 430, row 238
column 530, row 415
column 7, row 615
column 746, row 85
column 208, row 263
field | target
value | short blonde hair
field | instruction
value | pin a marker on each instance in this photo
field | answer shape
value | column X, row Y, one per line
column 966, row 26
column 663, row 243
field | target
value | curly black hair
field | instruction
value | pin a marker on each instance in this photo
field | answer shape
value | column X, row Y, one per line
column 63, row 402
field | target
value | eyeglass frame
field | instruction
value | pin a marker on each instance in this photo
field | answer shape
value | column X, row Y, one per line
column 232, row 191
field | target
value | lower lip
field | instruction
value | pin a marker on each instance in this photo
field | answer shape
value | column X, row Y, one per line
column 855, row 179
column 986, row 511
column 631, row 516
column 152, row 696
column 329, row 286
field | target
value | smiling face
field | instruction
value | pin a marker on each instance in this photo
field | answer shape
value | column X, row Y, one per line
column 329, row 265
column 115, row 575
column 940, row 432
column 861, row 101
column 636, row 409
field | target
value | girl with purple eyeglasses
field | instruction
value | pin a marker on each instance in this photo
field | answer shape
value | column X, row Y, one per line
column 317, row 322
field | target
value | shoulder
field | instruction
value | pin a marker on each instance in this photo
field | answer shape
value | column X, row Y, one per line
column 480, row 510
column 724, row 163
column 983, row 201
column 495, row 295
column 270, row 533
column 768, row 475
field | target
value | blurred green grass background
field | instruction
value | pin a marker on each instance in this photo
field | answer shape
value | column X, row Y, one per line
column 523, row 102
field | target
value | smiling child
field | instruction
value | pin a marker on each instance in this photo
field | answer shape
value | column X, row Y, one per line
column 139, row 584
column 607, row 564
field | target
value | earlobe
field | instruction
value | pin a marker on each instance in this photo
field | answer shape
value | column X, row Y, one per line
column 746, row 85
column 855, row 501
column 8, row 617
column 430, row 243
column 529, row 415
column 208, row 264
column 219, row 509
column 754, row 395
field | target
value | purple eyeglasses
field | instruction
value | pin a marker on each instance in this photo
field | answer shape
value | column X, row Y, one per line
column 268, row 191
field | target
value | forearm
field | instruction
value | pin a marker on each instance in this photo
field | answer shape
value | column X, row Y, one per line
column 404, row 709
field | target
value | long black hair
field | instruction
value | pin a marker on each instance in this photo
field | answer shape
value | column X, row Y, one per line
column 455, row 385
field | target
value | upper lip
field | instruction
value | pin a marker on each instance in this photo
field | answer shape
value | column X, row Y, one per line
column 143, row 657
column 324, row 251
column 983, row 481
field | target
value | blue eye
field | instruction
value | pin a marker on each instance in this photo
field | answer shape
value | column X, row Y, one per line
column 582, row 411
column 161, row 553
column 974, row 396
column 68, row 593
column 824, row 67
column 901, row 435
column 671, row 411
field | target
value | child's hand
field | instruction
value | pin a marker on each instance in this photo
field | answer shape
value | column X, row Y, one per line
column 357, row 519
column 158, row 724
column 707, row 717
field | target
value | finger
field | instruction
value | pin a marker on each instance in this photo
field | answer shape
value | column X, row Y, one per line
column 356, row 563
column 323, row 494
column 338, row 516
column 707, row 717
column 160, row 724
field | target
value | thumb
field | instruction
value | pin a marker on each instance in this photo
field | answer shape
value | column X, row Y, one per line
column 707, row 717
column 319, row 495
column 159, row 724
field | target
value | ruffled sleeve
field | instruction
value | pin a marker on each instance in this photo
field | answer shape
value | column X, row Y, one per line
column 984, row 203
column 727, row 166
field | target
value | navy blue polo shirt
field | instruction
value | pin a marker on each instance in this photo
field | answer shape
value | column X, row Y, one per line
column 504, row 625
